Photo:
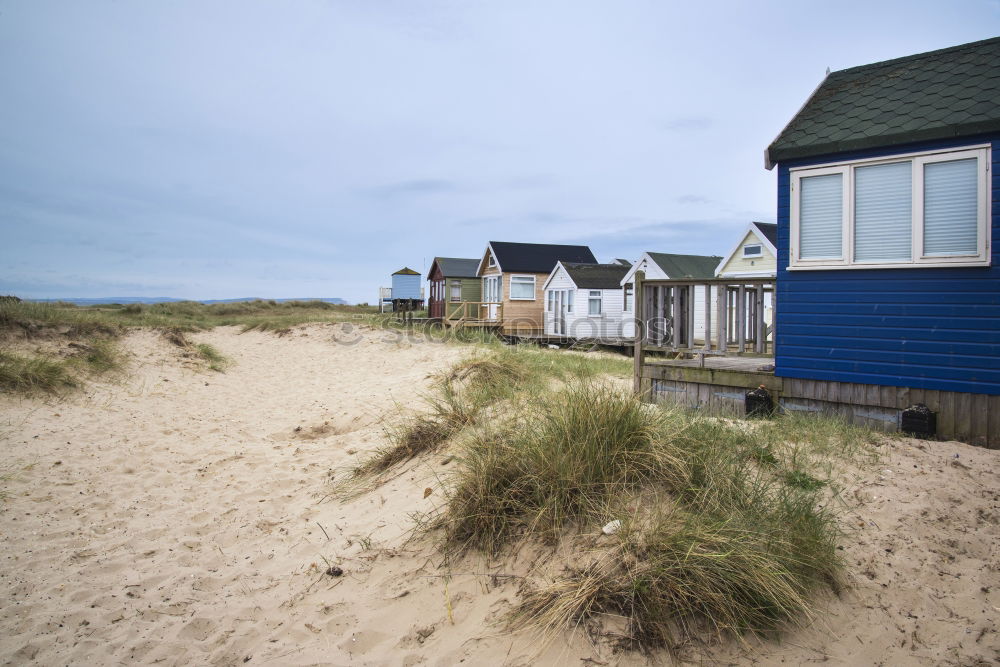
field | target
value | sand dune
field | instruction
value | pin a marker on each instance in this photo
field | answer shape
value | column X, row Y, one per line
column 183, row 516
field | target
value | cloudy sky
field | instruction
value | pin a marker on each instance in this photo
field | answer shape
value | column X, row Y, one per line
column 309, row 148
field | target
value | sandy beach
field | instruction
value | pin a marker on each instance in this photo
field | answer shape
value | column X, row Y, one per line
column 184, row 516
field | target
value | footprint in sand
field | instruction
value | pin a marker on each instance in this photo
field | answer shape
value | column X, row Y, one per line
column 199, row 629
column 363, row 641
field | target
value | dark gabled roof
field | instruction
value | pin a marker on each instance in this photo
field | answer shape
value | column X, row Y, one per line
column 456, row 267
column 769, row 230
column 538, row 257
column 406, row 271
column 596, row 276
column 686, row 266
column 952, row 92
column 626, row 262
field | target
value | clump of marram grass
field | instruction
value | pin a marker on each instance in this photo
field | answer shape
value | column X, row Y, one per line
column 416, row 437
column 23, row 374
column 738, row 546
column 49, row 374
column 102, row 355
column 687, row 574
column 216, row 360
column 559, row 460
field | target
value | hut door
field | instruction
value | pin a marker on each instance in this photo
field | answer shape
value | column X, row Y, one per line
column 560, row 301
column 491, row 294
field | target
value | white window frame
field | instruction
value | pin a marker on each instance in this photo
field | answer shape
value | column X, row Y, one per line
column 917, row 259
column 628, row 297
column 759, row 253
column 511, row 288
column 599, row 298
column 450, row 288
column 491, row 261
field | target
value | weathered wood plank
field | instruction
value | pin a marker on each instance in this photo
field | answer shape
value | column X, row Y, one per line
column 859, row 394
column 888, row 397
column 690, row 315
column 979, row 419
column 872, row 396
column 759, row 338
column 712, row 376
column 962, row 411
column 723, row 334
column 640, row 330
column 943, row 403
column 741, row 318
column 993, row 421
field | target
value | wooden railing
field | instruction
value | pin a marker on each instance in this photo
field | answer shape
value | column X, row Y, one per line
column 474, row 311
column 735, row 315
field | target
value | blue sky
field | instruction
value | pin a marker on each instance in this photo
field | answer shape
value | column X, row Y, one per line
column 305, row 148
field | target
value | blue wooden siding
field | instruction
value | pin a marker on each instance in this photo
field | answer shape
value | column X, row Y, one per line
column 405, row 286
column 921, row 328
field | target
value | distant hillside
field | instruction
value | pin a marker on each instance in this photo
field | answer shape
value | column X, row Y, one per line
column 167, row 299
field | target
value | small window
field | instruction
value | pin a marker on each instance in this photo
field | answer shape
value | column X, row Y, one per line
column 491, row 261
column 550, row 300
column 456, row 290
column 628, row 297
column 522, row 288
column 570, row 295
column 594, row 302
column 752, row 250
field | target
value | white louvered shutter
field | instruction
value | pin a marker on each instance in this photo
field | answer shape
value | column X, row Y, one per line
column 821, row 216
column 883, row 212
column 950, row 207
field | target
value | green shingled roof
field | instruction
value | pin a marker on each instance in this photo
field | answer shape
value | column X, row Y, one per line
column 953, row 92
column 456, row 267
column 596, row 276
column 686, row 266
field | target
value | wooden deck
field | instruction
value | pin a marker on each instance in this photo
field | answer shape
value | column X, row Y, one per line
column 738, row 364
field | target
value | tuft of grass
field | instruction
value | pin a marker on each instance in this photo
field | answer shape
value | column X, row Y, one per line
column 414, row 438
column 103, row 355
column 685, row 573
column 802, row 480
column 31, row 374
column 215, row 359
column 562, row 460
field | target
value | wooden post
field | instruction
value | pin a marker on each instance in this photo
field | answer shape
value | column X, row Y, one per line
column 741, row 321
column 774, row 318
column 639, row 301
column 690, row 289
column 708, row 316
column 760, row 342
column 723, row 305
column 661, row 311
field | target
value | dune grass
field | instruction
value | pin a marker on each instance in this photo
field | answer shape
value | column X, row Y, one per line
column 41, row 373
column 731, row 545
column 23, row 374
column 210, row 354
column 110, row 319
column 727, row 527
